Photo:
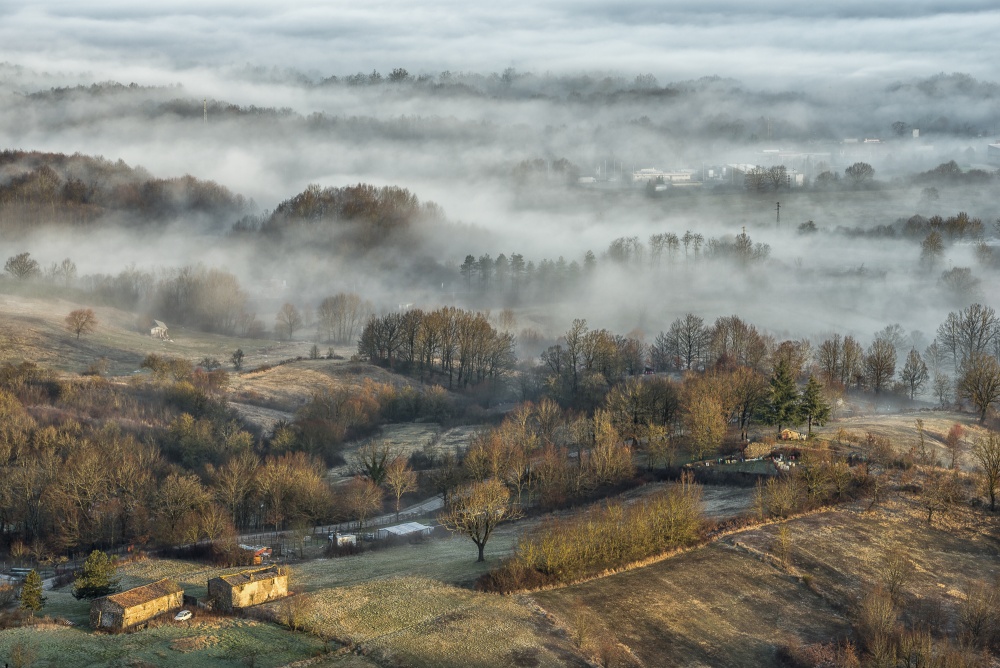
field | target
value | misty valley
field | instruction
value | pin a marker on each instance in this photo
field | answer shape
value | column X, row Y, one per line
column 520, row 368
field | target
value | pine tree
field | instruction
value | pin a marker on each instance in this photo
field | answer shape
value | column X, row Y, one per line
column 783, row 407
column 31, row 593
column 97, row 578
column 813, row 406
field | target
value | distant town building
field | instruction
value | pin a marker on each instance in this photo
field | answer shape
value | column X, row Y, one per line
column 130, row 608
column 993, row 154
column 247, row 588
column 651, row 174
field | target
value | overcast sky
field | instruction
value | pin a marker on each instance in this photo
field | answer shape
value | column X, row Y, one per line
column 762, row 42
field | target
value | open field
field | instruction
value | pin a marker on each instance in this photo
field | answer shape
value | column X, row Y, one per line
column 200, row 642
column 419, row 622
column 288, row 386
column 733, row 603
column 32, row 329
column 406, row 438
column 901, row 429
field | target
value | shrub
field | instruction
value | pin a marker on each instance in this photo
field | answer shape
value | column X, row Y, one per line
column 604, row 537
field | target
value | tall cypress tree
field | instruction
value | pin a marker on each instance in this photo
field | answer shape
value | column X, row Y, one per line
column 813, row 406
column 783, row 406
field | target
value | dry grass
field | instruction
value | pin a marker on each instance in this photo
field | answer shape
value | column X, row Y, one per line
column 734, row 602
column 420, row 622
column 901, row 430
column 32, row 329
column 289, row 386
column 226, row 642
column 406, row 438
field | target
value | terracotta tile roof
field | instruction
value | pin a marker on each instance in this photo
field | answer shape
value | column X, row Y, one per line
column 145, row 593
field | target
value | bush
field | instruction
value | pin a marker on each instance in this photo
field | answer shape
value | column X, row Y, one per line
column 609, row 536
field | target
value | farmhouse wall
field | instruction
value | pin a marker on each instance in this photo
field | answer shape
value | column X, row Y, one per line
column 135, row 606
column 248, row 588
column 145, row 611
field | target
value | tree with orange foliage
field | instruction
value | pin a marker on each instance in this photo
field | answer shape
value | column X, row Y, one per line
column 953, row 442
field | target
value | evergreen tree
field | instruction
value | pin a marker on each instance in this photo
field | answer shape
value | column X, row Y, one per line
column 813, row 406
column 97, row 578
column 31, row 593
column 783, row 406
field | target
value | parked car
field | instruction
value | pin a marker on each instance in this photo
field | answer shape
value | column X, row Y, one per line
column 183, row 616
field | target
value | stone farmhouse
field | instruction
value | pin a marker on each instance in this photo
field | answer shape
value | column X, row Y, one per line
column 128, row 609
column 247, row 588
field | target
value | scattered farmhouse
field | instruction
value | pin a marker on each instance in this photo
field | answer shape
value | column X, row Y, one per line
column 247, row 588
column 158, row 330
column 130, row 608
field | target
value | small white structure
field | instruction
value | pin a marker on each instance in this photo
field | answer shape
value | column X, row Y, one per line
column 651, row 174
column 405, row 529
column 342, row 539
column 158, row 330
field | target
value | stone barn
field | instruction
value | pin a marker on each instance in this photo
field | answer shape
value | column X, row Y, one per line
column 128, row 609
column 247, row 588
column 158, row 330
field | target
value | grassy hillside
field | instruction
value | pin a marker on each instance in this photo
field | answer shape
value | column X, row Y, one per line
column 32, row 329
column 736, row 601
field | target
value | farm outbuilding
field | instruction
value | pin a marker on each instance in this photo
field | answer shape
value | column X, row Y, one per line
column 158, row 330
column 247, row 588
column 342, row 539
column 130, row 608
column 258, row 553
column 405, row 529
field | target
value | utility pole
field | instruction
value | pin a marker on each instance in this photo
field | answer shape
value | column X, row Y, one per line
column 204, row 109
column 777, row 210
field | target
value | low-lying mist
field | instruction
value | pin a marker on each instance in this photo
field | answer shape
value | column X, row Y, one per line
column 537, row 166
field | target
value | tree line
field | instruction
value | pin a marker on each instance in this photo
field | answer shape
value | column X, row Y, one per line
column 89, row 463
column 53, row 188
column 462, row 345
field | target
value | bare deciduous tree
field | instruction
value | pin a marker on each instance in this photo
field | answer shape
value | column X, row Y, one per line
column 288, row 320
column 400, row 479
column 22, row 266
column 986, row 451
column 362, row 499
column 81, row 321
column 980, row 383
column 860, row 172
column 372, row 461
column 476, row 510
